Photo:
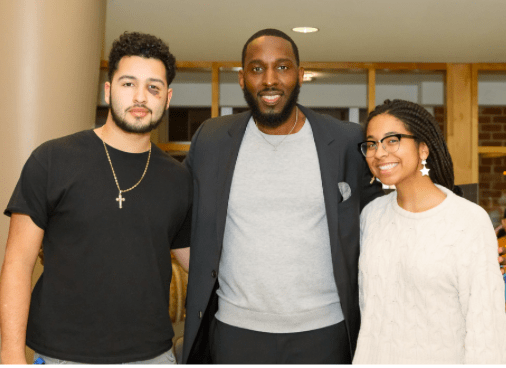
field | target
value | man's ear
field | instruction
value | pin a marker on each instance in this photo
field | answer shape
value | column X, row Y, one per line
column 107, row 92
column 301, row 75
column 169, row 96
column 240, row 76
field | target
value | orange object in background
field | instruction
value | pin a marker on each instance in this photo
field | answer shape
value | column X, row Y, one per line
column 502, row 241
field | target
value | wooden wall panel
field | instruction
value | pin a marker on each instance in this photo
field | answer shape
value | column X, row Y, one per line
column 215, row 105
column 371, row 89
column 459, row 128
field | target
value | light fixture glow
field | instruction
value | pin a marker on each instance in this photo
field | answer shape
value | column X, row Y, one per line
column 305, row 29
column 308, row 76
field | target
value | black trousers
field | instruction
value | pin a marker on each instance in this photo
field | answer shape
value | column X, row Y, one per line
column 234, row 345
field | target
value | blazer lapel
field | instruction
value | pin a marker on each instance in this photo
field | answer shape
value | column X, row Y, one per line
column 329, row 157
column 229, row 151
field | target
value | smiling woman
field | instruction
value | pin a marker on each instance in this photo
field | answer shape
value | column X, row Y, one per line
column 429, row 283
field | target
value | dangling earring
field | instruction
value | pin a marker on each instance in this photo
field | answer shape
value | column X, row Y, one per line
column 373, row 177
column 424, row 170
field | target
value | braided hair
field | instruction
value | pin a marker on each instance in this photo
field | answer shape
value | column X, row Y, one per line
column 424, row 127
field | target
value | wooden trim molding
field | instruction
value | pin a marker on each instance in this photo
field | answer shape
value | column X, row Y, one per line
column 475, row 160
column 173, row 146
column 490, row 66
column 487, row 150
column 215, row 94
column 333, row 65
column 371, row 89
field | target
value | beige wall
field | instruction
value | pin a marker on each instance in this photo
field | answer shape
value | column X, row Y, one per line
column 49, row 71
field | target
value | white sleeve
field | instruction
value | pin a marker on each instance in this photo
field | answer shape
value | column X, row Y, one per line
column 363, row 220
column 481, row 294
column 363, row 223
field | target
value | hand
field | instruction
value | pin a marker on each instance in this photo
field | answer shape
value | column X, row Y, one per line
column 8, row 358
column 498, row 228
column 15, row 361
column 502, row 257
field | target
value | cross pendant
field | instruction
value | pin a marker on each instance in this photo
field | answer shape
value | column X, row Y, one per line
column 120, row 199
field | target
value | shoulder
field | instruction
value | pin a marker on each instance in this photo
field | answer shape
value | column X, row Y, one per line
column 470, row 229
column 469, row 214
column 378, row 206
column 82, row 137
column 222, row 124
column 170, row 163
column 464, row 223
column 65, row 145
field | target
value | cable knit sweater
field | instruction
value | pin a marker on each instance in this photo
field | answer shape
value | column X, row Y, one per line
column 430, row 286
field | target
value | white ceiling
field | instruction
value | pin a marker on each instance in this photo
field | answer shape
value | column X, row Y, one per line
column 351, row 30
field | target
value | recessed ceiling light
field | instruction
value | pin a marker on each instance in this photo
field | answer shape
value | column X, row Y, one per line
column 305, row 29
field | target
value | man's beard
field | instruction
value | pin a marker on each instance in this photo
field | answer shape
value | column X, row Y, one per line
column 130, row 128
column 271, row 120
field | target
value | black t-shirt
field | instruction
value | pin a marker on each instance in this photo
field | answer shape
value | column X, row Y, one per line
column 104, row 293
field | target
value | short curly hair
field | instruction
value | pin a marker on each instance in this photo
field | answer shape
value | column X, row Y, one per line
column 144, row 45
column 275, row 33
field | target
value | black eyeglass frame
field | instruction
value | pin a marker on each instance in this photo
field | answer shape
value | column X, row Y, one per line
column 399, row 136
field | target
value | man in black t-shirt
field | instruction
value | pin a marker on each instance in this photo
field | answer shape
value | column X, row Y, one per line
column 108, row 207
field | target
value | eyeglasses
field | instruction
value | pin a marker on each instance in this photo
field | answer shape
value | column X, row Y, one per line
column 390, row 143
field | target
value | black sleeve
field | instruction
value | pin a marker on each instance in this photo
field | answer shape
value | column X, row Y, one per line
column 182, row 238
column 188, row 161
column 30, row 195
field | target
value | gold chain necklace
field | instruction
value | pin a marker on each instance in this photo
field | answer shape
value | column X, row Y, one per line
column 275, row 146
column 120, row 198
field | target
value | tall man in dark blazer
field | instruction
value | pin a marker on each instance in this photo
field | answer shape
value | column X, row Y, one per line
column 275, row 238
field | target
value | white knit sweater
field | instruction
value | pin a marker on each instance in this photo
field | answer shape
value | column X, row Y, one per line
column 430, row 286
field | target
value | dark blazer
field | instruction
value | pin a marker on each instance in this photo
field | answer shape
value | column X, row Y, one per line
column 211, row 160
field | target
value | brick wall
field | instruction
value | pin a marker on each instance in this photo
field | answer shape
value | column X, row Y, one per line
column 492, row 185
column 492, row 182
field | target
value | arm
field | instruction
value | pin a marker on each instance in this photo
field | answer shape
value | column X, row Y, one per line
column 497, row 229
column 183, row 257
column 181, row 244
column 23, row 244
column 481, row 294
column 188, row 161
column 183, row 254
